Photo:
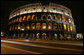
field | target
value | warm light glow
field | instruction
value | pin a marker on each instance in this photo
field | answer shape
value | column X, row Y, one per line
column 1, row 33
column 19, row 27
column 27, row 27
column 71, row 28
column 44, row 27
column 24, row 18
column 59, row 17
column 33, row 16
column 17, row 19
column 50, row 16
column 20, row 19
column 28, row 17
column 68, row 28
column 63, row 18
column 69, row 20
column 49, row 26
column 44, row 34
column 55, row 34
column 38, row 34
column 64, row 26
column 33, row 27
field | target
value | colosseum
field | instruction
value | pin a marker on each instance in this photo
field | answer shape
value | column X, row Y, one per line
column 39, row 21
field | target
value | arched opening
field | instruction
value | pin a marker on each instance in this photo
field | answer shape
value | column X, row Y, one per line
column 69, row 20
column 17, row 19
column 33, row 36
column 71, row 28
column 28, row 17
column 38, row 35
column 20, row 19
column 33, row 26
column 55, row 26
column 55, row 36
column 44, row 37
column 15, row 27
column 64, row 26
column 19, row 27
column 27, row 27
column 63, row 19
column 44, row 17
column 54, row 17
column 60, row 36
column 44, row 26
column 50, row 26
column 33, row 17
column 22, row 27
column 59, row 17
column 49, row 17
column 38, row 26
column 60, row 26
column 24, row 18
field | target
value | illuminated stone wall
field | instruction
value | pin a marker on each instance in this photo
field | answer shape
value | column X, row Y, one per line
column 33, row 21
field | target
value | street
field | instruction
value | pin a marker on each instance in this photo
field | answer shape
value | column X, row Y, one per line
column 16, row 47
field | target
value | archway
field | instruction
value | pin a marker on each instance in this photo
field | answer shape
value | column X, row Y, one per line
column 55, row 36
column 38, row 35
column 44, row 36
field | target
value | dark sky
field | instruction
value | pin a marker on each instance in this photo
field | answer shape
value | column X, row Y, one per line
column 75, row 6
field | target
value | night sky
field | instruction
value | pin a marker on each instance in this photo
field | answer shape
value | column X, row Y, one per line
column 75, row 6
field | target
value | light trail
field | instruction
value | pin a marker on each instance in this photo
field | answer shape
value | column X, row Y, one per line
column 29, row 44
column 20, row 49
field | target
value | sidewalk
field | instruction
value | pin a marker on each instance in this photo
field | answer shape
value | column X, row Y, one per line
column 67, row 42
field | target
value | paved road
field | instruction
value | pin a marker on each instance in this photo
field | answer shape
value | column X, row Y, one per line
column 12, row 47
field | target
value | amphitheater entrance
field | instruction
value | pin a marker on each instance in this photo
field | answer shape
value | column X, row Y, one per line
column 38, row 35
column 55, row 36
column 33, row 36
column 44, row 37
